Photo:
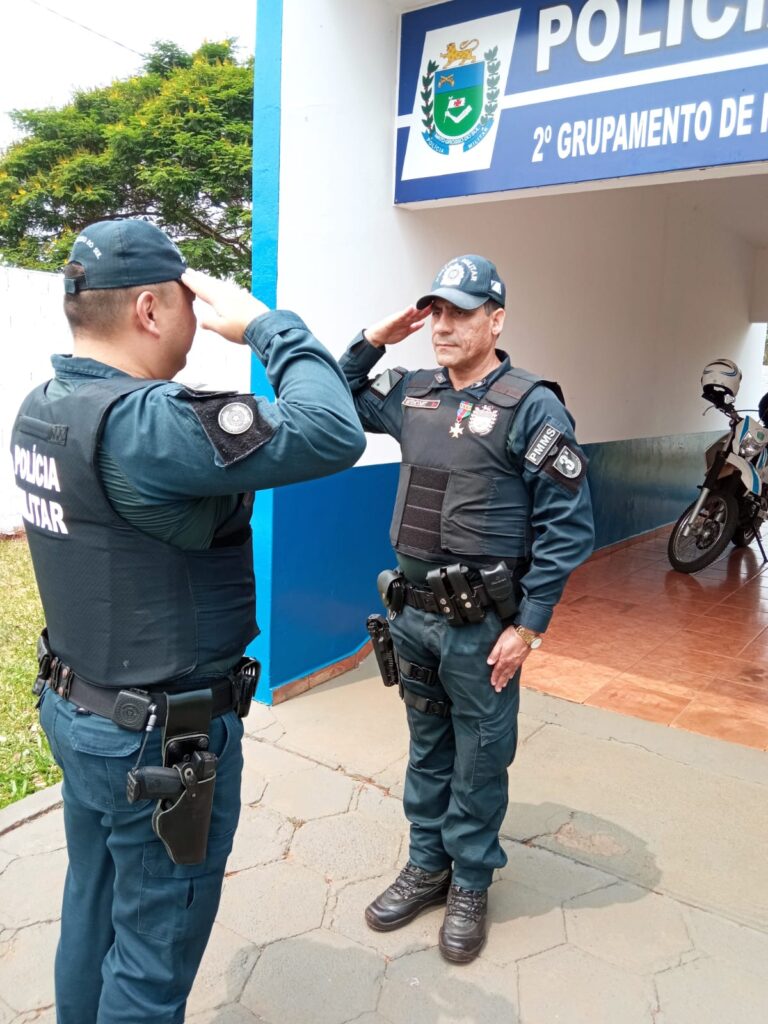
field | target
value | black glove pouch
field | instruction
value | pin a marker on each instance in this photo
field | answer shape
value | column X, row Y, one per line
column 183, row 823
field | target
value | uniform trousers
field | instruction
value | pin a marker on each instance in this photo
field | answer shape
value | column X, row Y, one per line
column 456, row 785
column 134, row 925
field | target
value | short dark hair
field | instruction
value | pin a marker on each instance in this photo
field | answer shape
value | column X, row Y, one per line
column 99, row 310
column 490, row 306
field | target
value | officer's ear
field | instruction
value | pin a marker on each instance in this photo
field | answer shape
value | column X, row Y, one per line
column 147, row 309
column 497, row 321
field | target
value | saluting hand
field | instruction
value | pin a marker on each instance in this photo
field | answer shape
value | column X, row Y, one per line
column 233, row 307
column 397, row 327
column 508, row 654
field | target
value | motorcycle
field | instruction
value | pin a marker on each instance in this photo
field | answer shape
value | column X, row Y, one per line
column 733, row 501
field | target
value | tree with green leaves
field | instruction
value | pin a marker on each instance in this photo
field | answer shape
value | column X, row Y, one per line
column 172, row 144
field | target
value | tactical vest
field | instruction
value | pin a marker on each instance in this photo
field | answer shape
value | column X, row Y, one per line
column 459, row 495
column 122, row 608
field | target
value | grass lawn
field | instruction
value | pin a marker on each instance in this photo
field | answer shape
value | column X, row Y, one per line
column 25, row 760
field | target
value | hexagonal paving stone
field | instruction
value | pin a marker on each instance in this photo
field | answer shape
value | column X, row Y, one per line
column 339, row 980
column 26, row 967
column 316, row 793
column 551, row 873
column 423, row 988
column 262, row 836
column 43, row 835
column 347, row 919
column 371, row 1018
column 711, row 991
column 252, row 786
column 271, row 761
column 36, row 1017
column 520, row 922
column 729, row 941
column 259, row 718
column 351, row 846
column 387, row 810
column 569, row 986
column 232, row 1014
column 31, row 888
column 226, row 966
column 273, row 902
column 628, row 926
column 392, row 777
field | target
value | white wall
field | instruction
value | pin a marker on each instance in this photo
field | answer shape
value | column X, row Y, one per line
column 622, row 295
column 32, row 328
column 759, row 306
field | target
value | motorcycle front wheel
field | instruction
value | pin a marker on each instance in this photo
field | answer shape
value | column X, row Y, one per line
column 709, row 536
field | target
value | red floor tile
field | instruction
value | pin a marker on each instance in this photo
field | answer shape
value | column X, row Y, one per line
column 655, row 704
column 635, row 637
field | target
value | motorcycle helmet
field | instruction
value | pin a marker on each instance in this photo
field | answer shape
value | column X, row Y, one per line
column 762, row 409
column 720, row 381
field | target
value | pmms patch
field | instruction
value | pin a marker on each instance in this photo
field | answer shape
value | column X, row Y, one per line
column 546, row 438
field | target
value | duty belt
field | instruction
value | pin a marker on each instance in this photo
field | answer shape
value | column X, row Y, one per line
column 129, row 708
column 423, row 598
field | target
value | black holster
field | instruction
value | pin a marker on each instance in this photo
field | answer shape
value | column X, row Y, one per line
column 182, row 822
column 391, row 586
column 384, row 649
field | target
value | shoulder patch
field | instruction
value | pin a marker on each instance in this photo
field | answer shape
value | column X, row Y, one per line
column 567, row 466
column 233, row 423
column 542, row 445
column 387, row 381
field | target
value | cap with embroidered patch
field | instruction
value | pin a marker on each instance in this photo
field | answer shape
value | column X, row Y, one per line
column 123, row 254
column 467, row 282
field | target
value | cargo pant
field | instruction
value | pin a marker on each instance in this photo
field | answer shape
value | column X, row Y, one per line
column 134, row 925
column 456, row 786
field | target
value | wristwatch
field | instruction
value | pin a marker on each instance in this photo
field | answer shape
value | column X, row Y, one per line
column 529, row 637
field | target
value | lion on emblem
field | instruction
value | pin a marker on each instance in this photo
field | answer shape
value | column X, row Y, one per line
column 465, row 54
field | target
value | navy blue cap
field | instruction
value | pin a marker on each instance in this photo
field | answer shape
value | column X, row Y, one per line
column 122, row 254
column 467, row 282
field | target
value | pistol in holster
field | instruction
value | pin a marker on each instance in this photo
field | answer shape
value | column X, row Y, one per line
column 384, row 649
column 185, row 783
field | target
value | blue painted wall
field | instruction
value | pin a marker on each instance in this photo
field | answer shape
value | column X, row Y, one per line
column 266, row 211
column 644, row 483
column 331, row 539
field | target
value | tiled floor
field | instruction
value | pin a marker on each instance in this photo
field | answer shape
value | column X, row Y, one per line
column 690, row 652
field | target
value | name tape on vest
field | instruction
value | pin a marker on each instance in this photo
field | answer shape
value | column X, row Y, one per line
column 421, row 403
column 546, row 438
column 40, row 470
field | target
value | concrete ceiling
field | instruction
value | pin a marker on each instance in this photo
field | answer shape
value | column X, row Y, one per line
column 740, row 203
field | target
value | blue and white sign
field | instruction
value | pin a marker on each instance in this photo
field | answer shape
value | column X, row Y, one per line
column 495, row 97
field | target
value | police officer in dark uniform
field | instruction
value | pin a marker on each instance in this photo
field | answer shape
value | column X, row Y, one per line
column 137, row 499
column 492, row 514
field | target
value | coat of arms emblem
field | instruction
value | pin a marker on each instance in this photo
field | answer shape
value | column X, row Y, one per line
column 459, row 100
column 483, row 419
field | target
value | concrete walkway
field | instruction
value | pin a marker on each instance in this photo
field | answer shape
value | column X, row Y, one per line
column 636, row 890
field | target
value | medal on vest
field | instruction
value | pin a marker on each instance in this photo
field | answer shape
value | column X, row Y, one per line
column 464, row 410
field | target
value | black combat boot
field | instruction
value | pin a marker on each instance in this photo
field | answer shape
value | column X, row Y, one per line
column 463, row 933
column 411, row 892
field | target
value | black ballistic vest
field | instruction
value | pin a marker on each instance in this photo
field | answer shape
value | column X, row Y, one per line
column 459, row 495
column 122, row 608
